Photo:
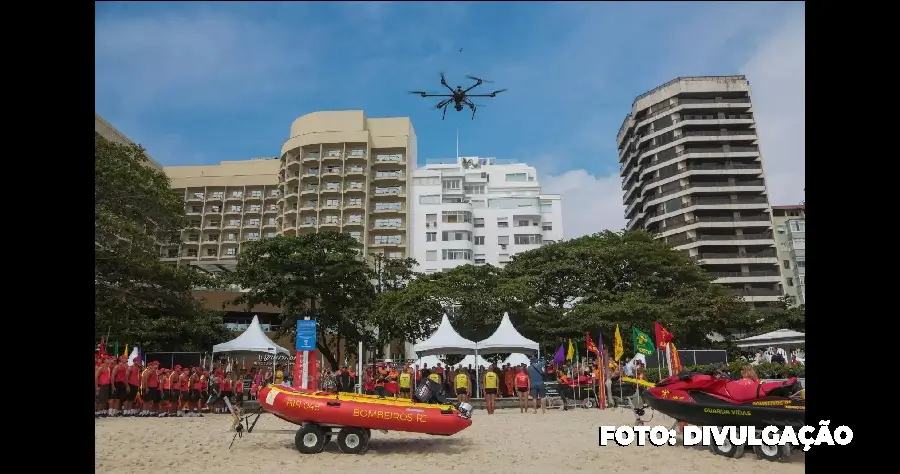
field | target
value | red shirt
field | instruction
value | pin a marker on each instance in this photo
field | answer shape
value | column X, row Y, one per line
column 103, row 378
column 120, row 373
column 521, row 379
column 134, row 378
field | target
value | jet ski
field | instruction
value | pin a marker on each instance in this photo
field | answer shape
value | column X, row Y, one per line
column 714, row 399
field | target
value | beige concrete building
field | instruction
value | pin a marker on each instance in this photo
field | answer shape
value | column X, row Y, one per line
column 692, row 174
column 338, row 171
column 107, row 131
column 790, row 235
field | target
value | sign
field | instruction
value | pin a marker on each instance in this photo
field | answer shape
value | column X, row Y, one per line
column 306, row 335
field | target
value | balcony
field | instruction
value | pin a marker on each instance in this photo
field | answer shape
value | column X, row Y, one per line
column 769, row 276
column 756, row 292
column 388, row 209
column 389, row 176
column 235, row 197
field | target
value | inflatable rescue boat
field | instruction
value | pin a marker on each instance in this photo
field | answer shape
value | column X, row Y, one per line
column 323, row 414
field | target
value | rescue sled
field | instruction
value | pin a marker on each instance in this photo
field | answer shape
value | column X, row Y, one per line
column 350, row 418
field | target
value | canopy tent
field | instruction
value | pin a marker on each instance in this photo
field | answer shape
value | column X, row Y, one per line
column 506, row 339
column 774, row 338
column 252, row 341
column 474, row 361
column 431, row 360
column 445, row 340
column 517, row 359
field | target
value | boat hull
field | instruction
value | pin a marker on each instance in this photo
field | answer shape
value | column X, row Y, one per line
column 698, row 408
column 362, row 411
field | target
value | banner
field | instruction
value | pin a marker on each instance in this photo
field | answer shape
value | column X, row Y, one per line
column 642, row 342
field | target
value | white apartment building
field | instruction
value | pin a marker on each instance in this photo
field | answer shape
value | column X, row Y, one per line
column 790, row 235
column 479, row 210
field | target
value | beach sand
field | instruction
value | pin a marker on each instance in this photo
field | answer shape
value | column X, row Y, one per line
column 506, row 442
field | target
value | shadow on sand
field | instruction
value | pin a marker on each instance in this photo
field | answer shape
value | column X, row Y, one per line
column 441, row 445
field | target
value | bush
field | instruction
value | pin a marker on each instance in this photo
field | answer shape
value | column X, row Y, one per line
column 764, row 371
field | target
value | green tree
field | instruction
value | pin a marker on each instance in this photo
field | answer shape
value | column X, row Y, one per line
column 595, row 282
column 138, row 298
column 781, row 314
column 320, row 275
column 392, row 275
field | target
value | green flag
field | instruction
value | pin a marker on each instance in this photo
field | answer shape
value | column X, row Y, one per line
column 642, row 342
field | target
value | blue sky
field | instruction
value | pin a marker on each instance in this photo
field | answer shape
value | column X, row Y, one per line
column 199, row 83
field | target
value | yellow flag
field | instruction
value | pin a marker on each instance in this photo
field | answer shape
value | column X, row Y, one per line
column 618, row 348
column 127, row 355
column 571, row 353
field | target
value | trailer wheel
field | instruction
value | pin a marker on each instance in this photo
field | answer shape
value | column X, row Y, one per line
column 352, row 440
column 770, row 453
column 727, row 449
column 310, row 439
column 368, row 433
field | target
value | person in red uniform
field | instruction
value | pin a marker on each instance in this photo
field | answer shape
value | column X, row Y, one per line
column 151, row 394
column 120, row 394
column 165, row 385
column 184, row 384
column 196, row 390
column 175, row 391
column 103, row 387
column 523, row 386
column 133, row 385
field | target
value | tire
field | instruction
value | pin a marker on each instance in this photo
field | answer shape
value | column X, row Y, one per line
column 769, row 453
column 727, row 449
column 310, row 439
column 352, row 440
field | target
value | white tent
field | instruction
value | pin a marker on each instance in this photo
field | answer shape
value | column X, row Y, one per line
column 474, row 361
column 431, row 360
column 252, row 341
column 445, row 340
column 517, row 359
column 774, row 338
column 506, row 339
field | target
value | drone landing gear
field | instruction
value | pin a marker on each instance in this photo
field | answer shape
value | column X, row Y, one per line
column 473, row 108
column 444, row 116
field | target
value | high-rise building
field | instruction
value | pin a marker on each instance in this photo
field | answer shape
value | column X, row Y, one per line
column 104, row 129
column 479, row 210
column 338, row 171
column 790, row 235
column 692, row 174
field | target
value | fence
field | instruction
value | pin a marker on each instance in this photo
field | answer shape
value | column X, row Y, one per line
column 691, row 357
column 171, row 359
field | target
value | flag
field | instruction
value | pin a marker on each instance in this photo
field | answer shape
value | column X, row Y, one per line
column 674, row 360
column 126, row 354
column 618, row 347
column 663, row 337
column 591, row 347
column 642, row 342
column 571, row 353
column 101, row 349
column 601, row 364
column 560, row 357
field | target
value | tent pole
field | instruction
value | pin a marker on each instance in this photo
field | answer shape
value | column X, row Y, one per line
column 359, row 368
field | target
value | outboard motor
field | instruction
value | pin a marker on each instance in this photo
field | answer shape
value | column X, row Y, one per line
column 430, row 391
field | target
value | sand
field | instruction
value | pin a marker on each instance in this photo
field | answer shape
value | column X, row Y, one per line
column 506, row 442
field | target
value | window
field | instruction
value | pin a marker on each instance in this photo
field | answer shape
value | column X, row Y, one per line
column 355, row 219
column 355, row 234
column 431, row 255
column 253, row 236
column 388, row 239
column 237, row 194
column 357, row 152
column 394, row 254
column 212, row 224
column 235, row 208
column 528, row 239
column 332, row 186
column 192, row 252
column 389, row 190
column 503, row 224
column 479, row 240
column 389, row 158
column 801, row 262
column 546, row 206
column 212, row 238
column 356, row 202
column 452, row 199
column 312, row 203
column 475, row 189
column 253, row 222
column 331, row 202
column 547, row 226
column 479, row 260
column 270, row 235
column 355, row 169
column 448, row 236
column 388, row 206
column 231, row 237
column 430, row 236
column 333, row 169
column 479, row 222
column 456, row 216
column 231, row 252
column 271, row 221
column 503, row 240
column 309, row 221
column 197, row 195
column 523, row 223
column 797, row 226
column 255, row 208
column 454, row 254
column 331, row 220
column 430, row 199
column 452, row 184
column 256, row 194
column 388, row 174
column 333, row 153
column 218, row 194
column 196, row 209
column 790, row 282
column 215, row 209
column 780, row 229
column 801, row 279
column 798, row 243
column 388, row 223
column 275, row 193
column 211, row 252
column 234, row 223
column 355, row 185
column 786, row 264
column 427, row 180
column 272, row 208
column 516, row 177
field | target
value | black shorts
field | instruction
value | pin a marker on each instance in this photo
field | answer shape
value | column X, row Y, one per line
column 151, row 395
column 103, row 394
column 404, row 391
column 121, row 393
column 194, row 396
column 490, row 391
column 462, row 391
column 522, row 389
column 204, row 396
column 185, row 396
column 133, row 392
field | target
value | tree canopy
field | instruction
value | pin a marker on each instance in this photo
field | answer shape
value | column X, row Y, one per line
column 138, row 298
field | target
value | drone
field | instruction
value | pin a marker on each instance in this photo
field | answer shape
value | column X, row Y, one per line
column 459, row 97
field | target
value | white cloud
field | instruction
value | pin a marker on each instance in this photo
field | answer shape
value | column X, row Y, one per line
column 776, row 70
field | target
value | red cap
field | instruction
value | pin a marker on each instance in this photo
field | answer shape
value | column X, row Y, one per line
column 155, row 362
column 177, row 366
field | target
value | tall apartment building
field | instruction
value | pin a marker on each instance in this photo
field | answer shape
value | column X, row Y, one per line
column 790, row 235
column 338, row 171
column 479, row 210
column 692, row 175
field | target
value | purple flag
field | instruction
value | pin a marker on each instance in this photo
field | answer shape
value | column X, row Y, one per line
column 560, row 357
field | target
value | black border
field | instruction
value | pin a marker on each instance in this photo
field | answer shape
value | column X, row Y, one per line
column 850, row 85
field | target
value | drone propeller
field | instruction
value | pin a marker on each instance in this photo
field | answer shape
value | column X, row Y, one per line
column 421, row 93
column 501, row 90
column 479, row 79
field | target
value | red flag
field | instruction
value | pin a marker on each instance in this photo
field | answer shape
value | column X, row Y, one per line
column 101, row 349
column 674, row 360
column 591, row 347
column 663, row 337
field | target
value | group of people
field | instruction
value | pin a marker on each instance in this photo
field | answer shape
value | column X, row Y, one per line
column 135, row 389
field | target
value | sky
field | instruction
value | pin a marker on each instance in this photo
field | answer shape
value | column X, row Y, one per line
column 200, row 83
